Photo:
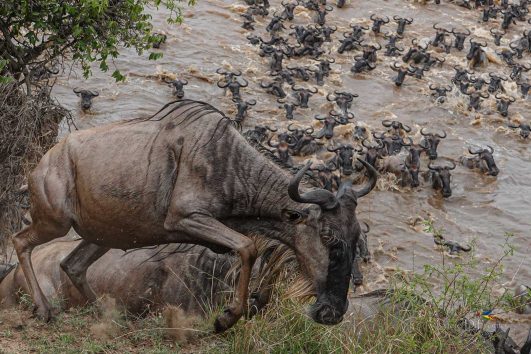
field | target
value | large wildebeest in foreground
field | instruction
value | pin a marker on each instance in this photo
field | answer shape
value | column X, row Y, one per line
column 186, row 175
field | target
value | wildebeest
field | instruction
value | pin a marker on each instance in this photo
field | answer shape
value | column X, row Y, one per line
column 178, row 86
column 302, row 95
column 497, row 34
column 439, row 92
column 342, row 99
column 431, row 141
column 241, row 109
column 474, row 102
column 329, row 123
column 524, row 88
column 441, row 178
column 402, row 72
column 453, row 246
column 460, row 37
column 289, row 107
column 258, row 134
column 344, row 158
column 234, row 85
column 401, row 23
column 525, row 129
column 495, row 83
column 476, row 55
column 482, row 160
column 140, row 280
column 377, row 22
column 188, row 190
column 275, row 87
column 86, row 97
column 503, row 103
column 374, row 152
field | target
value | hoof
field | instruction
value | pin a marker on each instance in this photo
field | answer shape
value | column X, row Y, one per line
column 44, row 313
column 225, row 321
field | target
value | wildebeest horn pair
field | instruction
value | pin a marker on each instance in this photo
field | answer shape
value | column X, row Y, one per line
column 424, row 132
column 476, row 152
column 326, row 199
column 438, row 168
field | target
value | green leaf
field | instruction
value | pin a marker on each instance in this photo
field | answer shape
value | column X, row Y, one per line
column 118, row 76
column 155, row 56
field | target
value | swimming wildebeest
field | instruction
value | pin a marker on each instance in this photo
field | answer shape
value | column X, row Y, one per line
column 199, row 175
column 482, row 160
column 86, row 97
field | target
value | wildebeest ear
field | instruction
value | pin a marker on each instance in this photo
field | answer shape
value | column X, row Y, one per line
column 293, row 216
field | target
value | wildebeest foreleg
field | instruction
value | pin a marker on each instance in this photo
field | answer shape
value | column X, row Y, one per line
column 357, row 275
column 209, row 230
column 75, row 265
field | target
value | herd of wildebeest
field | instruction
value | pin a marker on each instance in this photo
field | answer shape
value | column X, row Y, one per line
column 187, row 175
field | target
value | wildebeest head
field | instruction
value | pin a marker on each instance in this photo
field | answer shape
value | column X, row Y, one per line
column 345, row 155
column 516, row 73
column 86, row 97
column 525, row 129
column 377, row 22
column 327, row 32
column 289, row 107
column 461, row 74
column 359, row 132
column 342, row 99
column 475, row 99
column 441, row 178
column 497, row 34
column 326, row 176
column 439, row 92
column 289, row 7
column 485, row 155
column 460, row 37
column 275, row 87
column 476, row 55
column 502, row 104
column 524, row 88
column 374, row 152
column 342, row 117
column 258, row 134
column 508, row 18
column 327, row 257
column 431, row 141
column 412, row 161
column 303, row 95
column 157, row 39
column 396, row 126
column 369, row 52
column 495, row 83
column 241, row 108
column 402, row 72
column 440, row 35
column 320, row 18
column 330, row 122
column 361, row 64
column 178, row 87
column 401, row 23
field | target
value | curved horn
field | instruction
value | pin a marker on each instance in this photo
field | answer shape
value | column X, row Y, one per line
column 423, row 133
column 491, row 149
column 313, row 90
column 387, row 123
column 271, row 129
column 272, row 144
column 433, row 168
column 373, row 17
column 371, row 182
column 320, row 117
column 290, row 129
column 441, row 136
column 329, row 95
column 309, row 130
column 94, row 93
column 76, row 90
column 325, row 199
column 484, row 94
column 451, row 168
column 221, row 71
column 512, row 99
column 367, row 228
column 251, row 102
column 473, row 152
column 397, row 18
column 407, row 128
column 245, row 83
column 333, row 149
column 184, row 82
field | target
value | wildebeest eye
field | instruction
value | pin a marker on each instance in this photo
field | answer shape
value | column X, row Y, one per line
column 292, row 216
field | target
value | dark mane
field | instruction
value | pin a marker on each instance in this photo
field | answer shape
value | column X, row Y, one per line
column 192, row 112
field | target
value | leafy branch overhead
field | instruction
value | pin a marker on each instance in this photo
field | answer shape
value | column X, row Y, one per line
column 38, row 34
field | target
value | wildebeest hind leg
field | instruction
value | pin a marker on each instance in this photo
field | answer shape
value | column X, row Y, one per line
column 210, row 230
column 24, row 242
column 75, row 265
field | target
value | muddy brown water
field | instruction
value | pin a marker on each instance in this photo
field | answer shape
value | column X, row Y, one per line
column 481, row 210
